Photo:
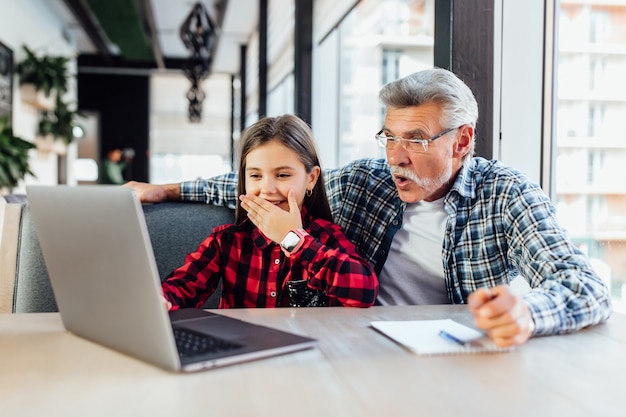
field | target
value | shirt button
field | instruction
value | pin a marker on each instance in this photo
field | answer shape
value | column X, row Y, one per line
column 395, row 222
column 276, row 261
column 273, row 294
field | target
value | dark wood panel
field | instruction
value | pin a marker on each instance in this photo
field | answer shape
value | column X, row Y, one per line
column 123, row 102
column 263, row 65
column 303, row 59
column 464, row 44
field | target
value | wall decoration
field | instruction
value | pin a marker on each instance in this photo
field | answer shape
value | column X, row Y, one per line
column 198, row 33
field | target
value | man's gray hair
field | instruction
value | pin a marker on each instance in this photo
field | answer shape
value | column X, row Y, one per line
column 436, row 85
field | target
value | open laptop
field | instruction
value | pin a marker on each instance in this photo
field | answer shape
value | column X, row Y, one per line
column 103, row 273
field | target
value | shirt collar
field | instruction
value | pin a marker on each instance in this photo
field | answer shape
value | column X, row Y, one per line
column 464, row 184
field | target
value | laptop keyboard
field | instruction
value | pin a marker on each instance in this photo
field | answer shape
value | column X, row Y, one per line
column 191, row 343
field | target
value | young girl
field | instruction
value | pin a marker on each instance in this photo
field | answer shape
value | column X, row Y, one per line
column 283, row 249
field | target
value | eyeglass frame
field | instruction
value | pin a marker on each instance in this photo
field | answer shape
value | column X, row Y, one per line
column 379, row 137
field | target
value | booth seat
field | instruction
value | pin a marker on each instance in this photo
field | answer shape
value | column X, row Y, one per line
column 175, row 229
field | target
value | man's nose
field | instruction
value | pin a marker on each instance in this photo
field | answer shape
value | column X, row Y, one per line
column 398, row 154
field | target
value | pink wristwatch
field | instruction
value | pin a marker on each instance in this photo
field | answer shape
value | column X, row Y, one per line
column 293, row 241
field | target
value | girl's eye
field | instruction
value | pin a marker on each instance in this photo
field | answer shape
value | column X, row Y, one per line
column 254, row 176
column 283, row 175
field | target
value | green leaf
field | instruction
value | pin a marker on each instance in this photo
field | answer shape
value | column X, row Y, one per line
column 46, row 73
column 14, row 162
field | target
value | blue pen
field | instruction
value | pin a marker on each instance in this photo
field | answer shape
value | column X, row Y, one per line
column 451, row 338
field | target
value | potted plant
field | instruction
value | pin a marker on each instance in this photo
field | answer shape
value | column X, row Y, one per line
column 14, row 163
column 42, row 79
column 57, row 126
column 44, row 139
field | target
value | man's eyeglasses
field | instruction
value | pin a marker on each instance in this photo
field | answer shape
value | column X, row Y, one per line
column 415, row 145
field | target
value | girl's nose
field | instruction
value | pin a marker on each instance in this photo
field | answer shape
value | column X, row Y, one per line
column 268, row 186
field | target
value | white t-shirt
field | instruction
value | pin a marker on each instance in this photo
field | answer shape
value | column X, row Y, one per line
column 413, row 271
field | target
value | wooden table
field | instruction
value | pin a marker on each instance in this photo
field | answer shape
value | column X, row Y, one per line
column 355, row 371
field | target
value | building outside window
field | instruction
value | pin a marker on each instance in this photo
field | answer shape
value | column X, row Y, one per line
column 590, row 147
column 380, row 41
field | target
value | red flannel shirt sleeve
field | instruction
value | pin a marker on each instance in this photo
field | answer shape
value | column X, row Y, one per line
column 331, row 263
column 191, row 284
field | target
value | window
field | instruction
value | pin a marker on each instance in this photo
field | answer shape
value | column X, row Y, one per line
column 182, row 150
column 590, row 144
column 379, row 41
column 391, row 64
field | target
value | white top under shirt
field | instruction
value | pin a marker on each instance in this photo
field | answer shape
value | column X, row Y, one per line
column 413, row 271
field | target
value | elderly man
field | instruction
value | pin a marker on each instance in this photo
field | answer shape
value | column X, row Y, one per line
column 441, row 226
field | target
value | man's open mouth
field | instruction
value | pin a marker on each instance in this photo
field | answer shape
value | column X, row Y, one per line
column 401, row 179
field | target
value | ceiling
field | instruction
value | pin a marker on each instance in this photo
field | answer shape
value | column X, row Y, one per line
column 145, row 34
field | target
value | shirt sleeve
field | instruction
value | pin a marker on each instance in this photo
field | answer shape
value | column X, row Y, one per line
column 332, row 264
column 219, row 191
column 193, row 283
column 566, row 293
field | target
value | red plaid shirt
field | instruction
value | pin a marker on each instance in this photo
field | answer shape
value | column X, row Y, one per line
column 254, row 270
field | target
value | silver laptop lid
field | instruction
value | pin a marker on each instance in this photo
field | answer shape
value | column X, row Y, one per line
column 100, row 232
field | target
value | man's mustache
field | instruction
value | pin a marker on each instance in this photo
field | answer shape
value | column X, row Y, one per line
column 404, row 172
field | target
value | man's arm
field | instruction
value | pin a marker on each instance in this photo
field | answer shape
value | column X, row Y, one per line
column 155, row 193
column 220, row 190
column 567, row 294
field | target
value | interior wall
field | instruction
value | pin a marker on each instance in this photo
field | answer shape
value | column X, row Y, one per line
column 32, row 23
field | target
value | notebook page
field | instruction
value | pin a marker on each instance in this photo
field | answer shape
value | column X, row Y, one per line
column 422, row 337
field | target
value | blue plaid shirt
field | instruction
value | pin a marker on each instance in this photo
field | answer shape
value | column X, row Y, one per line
column 500, row 225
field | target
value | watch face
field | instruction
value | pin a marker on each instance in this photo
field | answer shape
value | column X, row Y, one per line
column 290, row 241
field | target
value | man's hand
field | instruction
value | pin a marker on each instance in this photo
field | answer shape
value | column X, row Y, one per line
column 154, row 193
column 505, row 317
column 272, row 221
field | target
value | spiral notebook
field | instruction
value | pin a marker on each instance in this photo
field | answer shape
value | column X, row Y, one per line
column 437, row 337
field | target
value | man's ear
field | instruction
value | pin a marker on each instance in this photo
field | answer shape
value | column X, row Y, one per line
column 464, row 138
